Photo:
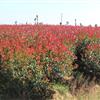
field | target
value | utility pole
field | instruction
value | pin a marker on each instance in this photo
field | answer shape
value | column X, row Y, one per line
column 37, row 19
column 61, row 19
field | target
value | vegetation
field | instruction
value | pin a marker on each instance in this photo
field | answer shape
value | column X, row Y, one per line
column 36, row 61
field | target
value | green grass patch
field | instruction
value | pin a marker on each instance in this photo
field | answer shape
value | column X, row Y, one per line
column 62, row 89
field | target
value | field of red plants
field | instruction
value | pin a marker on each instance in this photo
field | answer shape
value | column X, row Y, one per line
column 34, row 56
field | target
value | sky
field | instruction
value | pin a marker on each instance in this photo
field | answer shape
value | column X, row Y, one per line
column 50, row 11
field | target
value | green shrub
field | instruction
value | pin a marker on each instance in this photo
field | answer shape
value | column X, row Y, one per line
column 55, row 67
column 87, row 64
column 21, row 77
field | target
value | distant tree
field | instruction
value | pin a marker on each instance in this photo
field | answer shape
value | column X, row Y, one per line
column 67, row 22
column 60, row 23
column 37, row 19
column 75, row 22
column 90, row 25
column 40, row 23
column 81, row 24
column 26, row 23
column 96, row 25
column 15, row 22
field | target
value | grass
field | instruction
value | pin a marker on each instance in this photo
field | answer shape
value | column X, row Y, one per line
column 62, row 93
column 62, row 89
column 94, row 94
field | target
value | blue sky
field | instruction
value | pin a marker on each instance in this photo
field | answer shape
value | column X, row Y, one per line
column 49, row 11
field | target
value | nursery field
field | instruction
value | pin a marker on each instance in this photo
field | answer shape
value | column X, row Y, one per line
column 36, row 60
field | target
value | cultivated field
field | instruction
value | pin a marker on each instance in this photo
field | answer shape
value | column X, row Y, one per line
column 38, row 61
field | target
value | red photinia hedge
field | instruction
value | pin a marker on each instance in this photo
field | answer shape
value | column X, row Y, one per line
column 33, row 39
column 39, row 39
column 34, row 55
